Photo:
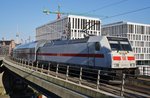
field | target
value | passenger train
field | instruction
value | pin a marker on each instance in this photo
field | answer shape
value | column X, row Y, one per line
column 100, row 52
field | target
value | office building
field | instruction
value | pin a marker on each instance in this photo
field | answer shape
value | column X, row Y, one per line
column 69, row 27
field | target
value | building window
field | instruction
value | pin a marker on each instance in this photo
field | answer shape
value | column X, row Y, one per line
column 73, row 23
column 124, row 28
column 69, row 20
column 130, row 28
column 78, row 23
column 97, row 25
column 147, row 30
column 75, row 33
column 142, row 29
column 81, row 23
column 142, row 44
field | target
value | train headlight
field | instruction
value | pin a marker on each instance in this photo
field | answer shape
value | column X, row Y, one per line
column 132, row 65
column 116, row 65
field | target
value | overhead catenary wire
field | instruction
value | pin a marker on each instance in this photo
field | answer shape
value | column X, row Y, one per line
column 87, row 13
column 125, row 13
column 106, row 6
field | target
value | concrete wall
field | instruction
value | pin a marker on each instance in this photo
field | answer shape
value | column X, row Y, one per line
column 2, row 90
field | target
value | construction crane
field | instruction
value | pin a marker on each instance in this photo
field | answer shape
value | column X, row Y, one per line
column 47, row 12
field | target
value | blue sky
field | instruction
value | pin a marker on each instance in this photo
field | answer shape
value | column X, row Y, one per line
column 27, row 14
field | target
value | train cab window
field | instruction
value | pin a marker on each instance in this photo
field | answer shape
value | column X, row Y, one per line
column 97, row 46
column 114, row 45
column 117, row 45
column 125, row 46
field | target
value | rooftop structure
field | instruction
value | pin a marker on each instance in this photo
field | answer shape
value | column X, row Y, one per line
column 69, row 27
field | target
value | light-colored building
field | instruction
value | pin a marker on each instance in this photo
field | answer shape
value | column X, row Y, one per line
column 138, row 35
column 6, row 47
column 69, row 27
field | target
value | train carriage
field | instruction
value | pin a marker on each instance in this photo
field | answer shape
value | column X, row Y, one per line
column 28, row 51
column 95, row 51
column 101, row 52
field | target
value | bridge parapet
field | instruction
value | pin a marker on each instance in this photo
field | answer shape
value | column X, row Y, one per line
column 1, row 57
column 65, row 86
column 59, row 84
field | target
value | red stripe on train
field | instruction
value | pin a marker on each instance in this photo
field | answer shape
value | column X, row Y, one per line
column 117, row 58
column 74, row 55
column 67, row 54
column 131, row 58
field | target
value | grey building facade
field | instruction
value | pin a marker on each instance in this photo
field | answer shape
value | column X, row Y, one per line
column 69, row 27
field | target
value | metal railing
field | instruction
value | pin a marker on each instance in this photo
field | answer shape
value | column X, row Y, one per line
column 116, row 83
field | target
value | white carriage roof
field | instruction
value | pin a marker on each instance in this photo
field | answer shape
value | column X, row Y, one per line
column 62, row 42
column 31, row 44
column 28, row 45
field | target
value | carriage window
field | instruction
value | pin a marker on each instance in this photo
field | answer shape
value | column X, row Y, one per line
column 97, row 46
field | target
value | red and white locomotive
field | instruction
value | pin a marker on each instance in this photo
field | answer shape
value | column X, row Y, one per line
column 101, row 52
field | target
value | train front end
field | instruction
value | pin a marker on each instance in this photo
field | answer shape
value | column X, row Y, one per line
column 123, row 59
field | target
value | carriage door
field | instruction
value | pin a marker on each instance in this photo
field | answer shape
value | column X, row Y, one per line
column 91, row 52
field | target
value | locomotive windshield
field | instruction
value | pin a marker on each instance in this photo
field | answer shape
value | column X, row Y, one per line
column 119, row 44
